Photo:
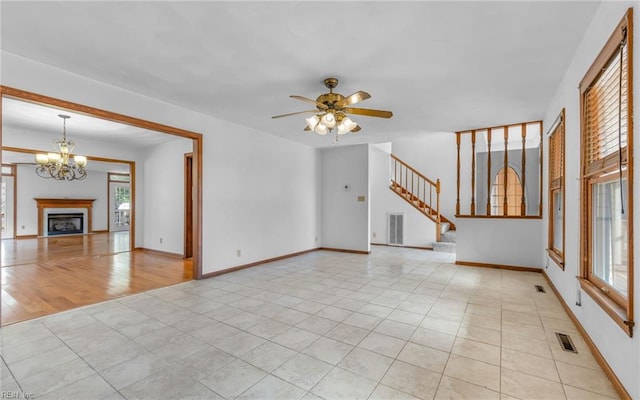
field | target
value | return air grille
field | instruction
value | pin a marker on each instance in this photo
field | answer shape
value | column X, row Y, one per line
column 396, row 229
column 566, row 343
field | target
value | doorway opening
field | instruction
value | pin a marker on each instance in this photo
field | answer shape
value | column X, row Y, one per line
column 188, row 205
column 120, row 215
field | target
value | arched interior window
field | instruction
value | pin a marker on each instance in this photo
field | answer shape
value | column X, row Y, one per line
column 512, row 191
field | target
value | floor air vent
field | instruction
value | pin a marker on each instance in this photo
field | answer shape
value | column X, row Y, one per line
column 566, row 343
column 540, row 289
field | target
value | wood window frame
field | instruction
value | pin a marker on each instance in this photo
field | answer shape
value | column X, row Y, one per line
column 12, row 173
column 12, row 170
column 505, row 189
column 557, row 184
column 110, row 176
column 617, row 306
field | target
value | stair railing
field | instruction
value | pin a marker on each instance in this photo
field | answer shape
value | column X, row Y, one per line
column 420, row 191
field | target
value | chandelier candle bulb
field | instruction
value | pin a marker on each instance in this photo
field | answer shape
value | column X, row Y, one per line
column 42, row 159
column 53, row 157
column 80, row 161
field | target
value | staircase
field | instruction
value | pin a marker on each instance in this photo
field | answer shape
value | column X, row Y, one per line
column 447, row 242
column 424, row 195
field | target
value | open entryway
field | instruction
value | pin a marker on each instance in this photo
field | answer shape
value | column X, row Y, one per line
column 125, row 240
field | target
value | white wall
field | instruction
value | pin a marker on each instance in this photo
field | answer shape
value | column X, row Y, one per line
column 345, row 220
column 164, row 190
column 621, row 352
column 434, row 155
column 513, row 242
column 261, row 197
column 420, row 231
column 265, row 212
column 29, row 186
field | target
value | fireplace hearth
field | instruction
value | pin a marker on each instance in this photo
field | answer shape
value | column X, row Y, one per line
column 65, row 224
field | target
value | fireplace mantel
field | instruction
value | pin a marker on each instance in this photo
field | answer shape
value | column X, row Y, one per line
column 62, row 203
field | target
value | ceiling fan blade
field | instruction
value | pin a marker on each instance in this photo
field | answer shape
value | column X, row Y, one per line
column 306, row 128
column 369, row 113
column 353, row 99
column 308, row 100
column 295, row 113
column 356, row 129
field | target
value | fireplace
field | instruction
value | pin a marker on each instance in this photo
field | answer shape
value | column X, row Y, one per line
column 65, row 224
column 54, row 206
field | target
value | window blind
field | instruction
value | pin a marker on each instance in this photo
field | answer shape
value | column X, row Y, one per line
column 556, row 159
column 605, row 116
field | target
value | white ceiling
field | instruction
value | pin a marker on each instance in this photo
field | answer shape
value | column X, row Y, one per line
column 32, row 117
column 439, row 66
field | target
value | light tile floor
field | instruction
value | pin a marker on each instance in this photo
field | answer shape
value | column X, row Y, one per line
column 396, row 324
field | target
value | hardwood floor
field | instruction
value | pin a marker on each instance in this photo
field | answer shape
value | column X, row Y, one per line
column 48, row 275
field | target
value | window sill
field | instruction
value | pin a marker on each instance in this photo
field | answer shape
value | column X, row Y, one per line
column 617, row 313
column 556, row 258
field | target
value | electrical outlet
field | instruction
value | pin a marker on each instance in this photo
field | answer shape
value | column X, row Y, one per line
column 160, row 240
column 23, row 227
column 374, row 234
column 238, row 253
column 316, row 238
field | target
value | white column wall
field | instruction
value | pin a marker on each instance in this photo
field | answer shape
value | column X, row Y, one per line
column 621, row 352
column 345, row 177
column 164, row 189
column 260, row 192
column 419, row 230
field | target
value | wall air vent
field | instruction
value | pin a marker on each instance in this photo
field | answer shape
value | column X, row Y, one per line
column 396, row 229
column 566, row 343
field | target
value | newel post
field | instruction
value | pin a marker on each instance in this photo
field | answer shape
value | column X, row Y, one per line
column 438, row 223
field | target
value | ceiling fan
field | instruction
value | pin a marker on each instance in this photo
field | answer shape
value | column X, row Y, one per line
column 332, row 111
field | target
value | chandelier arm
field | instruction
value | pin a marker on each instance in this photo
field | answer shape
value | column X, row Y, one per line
column 43, row 172
column 82, row 173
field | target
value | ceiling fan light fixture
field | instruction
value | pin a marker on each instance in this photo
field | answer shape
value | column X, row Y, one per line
column 346, row 125
column 312, row 122
column 329, row 115
column 320, row 129
column 329, row 120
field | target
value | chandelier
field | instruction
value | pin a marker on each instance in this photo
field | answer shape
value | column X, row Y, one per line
column 59, row 165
